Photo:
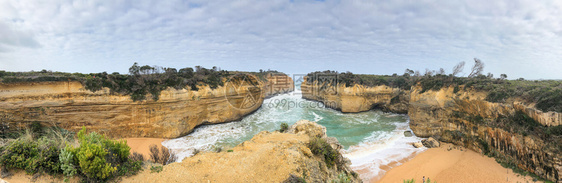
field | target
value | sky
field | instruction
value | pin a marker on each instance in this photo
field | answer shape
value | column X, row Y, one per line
column 518, row 38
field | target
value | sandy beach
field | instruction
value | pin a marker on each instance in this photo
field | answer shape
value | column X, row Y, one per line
column 442, row 165
column 142, row 145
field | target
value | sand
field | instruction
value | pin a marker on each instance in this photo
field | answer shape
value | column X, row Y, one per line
column 455, row 165
column 142, row 145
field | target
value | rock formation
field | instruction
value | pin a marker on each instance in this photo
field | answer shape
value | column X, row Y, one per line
column 430, row 143
column 461, row 117
column 176, row 113
column 267, row 157
column 357, row 98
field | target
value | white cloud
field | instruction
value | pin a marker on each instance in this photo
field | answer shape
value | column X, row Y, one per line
column 520, row 38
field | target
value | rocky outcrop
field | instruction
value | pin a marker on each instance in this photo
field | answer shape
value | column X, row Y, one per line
column 417, row 144
column 461, row 117
column 278, row 83
column 430, row 142
column 357, row 98
column 176, row 113
column 267, row 157
column 408, row 133
column 466, row 118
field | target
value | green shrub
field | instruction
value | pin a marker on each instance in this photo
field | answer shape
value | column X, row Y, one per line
column 550, row 101
column 522, row 119
column 343, row 178
column 68, row 165
column 284, row 127
column 156, row 169
column 456, row 89
column 98, row 158
column 131, row 167
column 32, row 155
column 92, row 162
column 321, row 148
column 22, row 155
column 485, row 146
column 497, row 96
column 410, row 181
column 36, row 128
column 554, row 130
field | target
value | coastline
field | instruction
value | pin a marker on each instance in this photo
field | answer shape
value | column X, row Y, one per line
column 449, row 163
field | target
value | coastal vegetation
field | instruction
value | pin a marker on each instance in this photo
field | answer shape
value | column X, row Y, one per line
column 476, row 111
column 283, row 127
column 140, row 81
column 545, row 94
column 164, row 156
column 321, row 148
column 55, row 151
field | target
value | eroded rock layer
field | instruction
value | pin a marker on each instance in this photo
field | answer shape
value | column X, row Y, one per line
column 357, row 98
column 176, row 113
column 267, row 157
column 513, row 132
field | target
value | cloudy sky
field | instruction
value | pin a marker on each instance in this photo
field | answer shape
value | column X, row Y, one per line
column 519, row 38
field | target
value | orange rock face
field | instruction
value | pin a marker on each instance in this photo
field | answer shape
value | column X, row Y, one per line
column 463, row 118
column 176, row 113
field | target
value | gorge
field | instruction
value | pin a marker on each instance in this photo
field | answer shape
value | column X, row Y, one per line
column 370, row 139
column 463, row 117
column 67, row 104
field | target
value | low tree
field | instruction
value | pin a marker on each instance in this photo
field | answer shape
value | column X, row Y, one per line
column 458, row 68
column 503, row 76
column 477, row 68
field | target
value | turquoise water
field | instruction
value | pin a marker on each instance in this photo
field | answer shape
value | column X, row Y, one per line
column 370, row 138
column 349, row 129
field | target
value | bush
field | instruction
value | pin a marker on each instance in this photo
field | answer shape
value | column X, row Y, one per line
column 98, row 158
column 136, row 157
column 522, row 119
column 321, row 148
column 284, row 127
column 409, row 181
column 343, row 178
column 156, row 169
column 92, row 162
column 22, row 155
column 554, row 130
column 294, row 179
column 497, row 96
column 32, row 155
column 68, row 165
column 164, row 156
column 131, row 167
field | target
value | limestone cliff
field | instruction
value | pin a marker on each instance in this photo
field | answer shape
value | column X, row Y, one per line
column 464, row 118
column 176, row 113
column 356, row 98
column 267, row 157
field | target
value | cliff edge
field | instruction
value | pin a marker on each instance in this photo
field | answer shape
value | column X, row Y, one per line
column 267, row 157
column 515, row 133
column 67, row 104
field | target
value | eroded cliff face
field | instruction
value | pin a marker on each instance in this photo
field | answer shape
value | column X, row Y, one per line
column 176, row 113
column 357, row 98
column 463, row 117
column 267, row 157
